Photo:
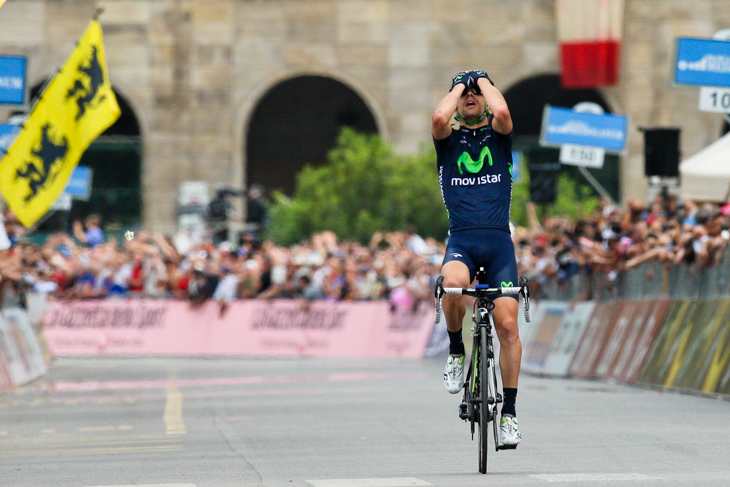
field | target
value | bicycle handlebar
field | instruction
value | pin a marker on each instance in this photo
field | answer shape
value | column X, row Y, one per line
column 480, row 291
column 484, row 290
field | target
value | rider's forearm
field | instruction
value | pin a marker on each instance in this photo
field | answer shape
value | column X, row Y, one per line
column 447, row 106
column 497, row 105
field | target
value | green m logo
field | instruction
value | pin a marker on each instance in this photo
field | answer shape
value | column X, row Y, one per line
column 507, row 284
column 470, row 165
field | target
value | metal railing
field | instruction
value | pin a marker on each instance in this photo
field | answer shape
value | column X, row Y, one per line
column 649, row 280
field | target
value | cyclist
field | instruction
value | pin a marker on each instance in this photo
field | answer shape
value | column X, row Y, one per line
column 475, row 174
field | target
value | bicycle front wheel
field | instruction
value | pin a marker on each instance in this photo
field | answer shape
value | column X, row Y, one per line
column 484, row 406
column 493, row 384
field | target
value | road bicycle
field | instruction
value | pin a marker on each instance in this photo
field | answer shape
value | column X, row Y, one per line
column 481, row 396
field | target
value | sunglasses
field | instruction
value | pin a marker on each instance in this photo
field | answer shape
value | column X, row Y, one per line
column 472, row 86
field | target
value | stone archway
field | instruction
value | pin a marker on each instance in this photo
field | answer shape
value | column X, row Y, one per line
column 527, row 99
column 295, row 123
column 115, row 158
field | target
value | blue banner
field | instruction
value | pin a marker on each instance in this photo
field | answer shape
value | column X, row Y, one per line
column 79, row 186
column 8, row 132
column 516, row 162
column 12, row 80
column 565, row 126
column 704, row 62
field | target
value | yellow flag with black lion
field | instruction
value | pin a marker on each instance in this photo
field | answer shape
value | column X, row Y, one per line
column 77, row 105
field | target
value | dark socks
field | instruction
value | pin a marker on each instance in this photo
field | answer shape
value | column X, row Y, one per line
column 510, row 398
column 456, row 344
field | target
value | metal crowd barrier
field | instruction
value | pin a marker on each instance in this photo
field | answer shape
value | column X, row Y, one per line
column 649, row 280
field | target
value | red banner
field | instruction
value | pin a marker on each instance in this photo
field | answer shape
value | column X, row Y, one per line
column 259, row 328
column 644, row 325
column 594, row 337
column 589, row 32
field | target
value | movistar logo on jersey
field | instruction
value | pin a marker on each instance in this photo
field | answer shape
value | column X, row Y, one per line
column 477, row 180
column 465, row 162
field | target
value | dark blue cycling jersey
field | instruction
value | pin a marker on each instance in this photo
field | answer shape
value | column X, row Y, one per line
column 475, row 175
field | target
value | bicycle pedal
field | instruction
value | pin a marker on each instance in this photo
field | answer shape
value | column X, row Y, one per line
column 499, row 397
column 507, row 447
column 463, row 413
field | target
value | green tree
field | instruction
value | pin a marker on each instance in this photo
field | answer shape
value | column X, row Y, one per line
column 365, row 188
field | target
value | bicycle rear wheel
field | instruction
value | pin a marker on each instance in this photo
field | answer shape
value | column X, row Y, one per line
column 492, row 373
column 484, row 406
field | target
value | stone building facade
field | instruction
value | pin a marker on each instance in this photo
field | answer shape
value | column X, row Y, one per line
column 193, row 71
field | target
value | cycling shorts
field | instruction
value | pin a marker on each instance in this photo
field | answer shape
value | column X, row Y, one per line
column 485, row 247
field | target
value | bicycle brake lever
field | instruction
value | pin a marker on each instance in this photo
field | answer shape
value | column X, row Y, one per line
column 526, row 303
column 438, row 292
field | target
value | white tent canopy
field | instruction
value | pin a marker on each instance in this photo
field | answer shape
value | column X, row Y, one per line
column 706, row 175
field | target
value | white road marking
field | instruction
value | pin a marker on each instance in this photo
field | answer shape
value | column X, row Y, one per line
column 89, row 429
column 148, row 485
column 392, row 482
column 172, row 416
column 594, row 477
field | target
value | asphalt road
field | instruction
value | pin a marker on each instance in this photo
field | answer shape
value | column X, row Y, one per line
column 340, row 423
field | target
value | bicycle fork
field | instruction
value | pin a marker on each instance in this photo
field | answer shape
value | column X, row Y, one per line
column 473, row 397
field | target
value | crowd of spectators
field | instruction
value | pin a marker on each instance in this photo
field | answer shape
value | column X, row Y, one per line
column 615, row 239
column 399, row 266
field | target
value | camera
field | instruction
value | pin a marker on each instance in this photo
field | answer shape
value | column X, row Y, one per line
column 219, row 207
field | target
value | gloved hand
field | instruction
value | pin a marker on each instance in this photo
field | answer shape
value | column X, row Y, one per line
column 478, row 73
column 459, row 79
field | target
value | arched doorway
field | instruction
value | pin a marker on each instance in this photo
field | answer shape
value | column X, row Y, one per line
column 527, row 99
column 115, row 159
column 295, row 124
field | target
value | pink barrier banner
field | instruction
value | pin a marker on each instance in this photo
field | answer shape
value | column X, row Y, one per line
column 258, row 328
column 21, row 349
column 6, row 382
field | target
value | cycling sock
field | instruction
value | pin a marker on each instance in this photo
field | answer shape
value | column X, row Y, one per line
column 510, row 398
column 456, row 344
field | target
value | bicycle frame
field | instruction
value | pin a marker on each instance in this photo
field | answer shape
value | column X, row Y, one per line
column 483, row 324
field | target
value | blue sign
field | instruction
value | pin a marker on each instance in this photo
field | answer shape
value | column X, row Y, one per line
column 79, row 186
column 564, row 126
column 704, row 62
column 516, row 161
column 12, row 80
column 8, row 132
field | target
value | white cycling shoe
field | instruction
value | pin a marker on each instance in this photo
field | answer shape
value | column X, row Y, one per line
column 454, row 373
column 509, row 431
